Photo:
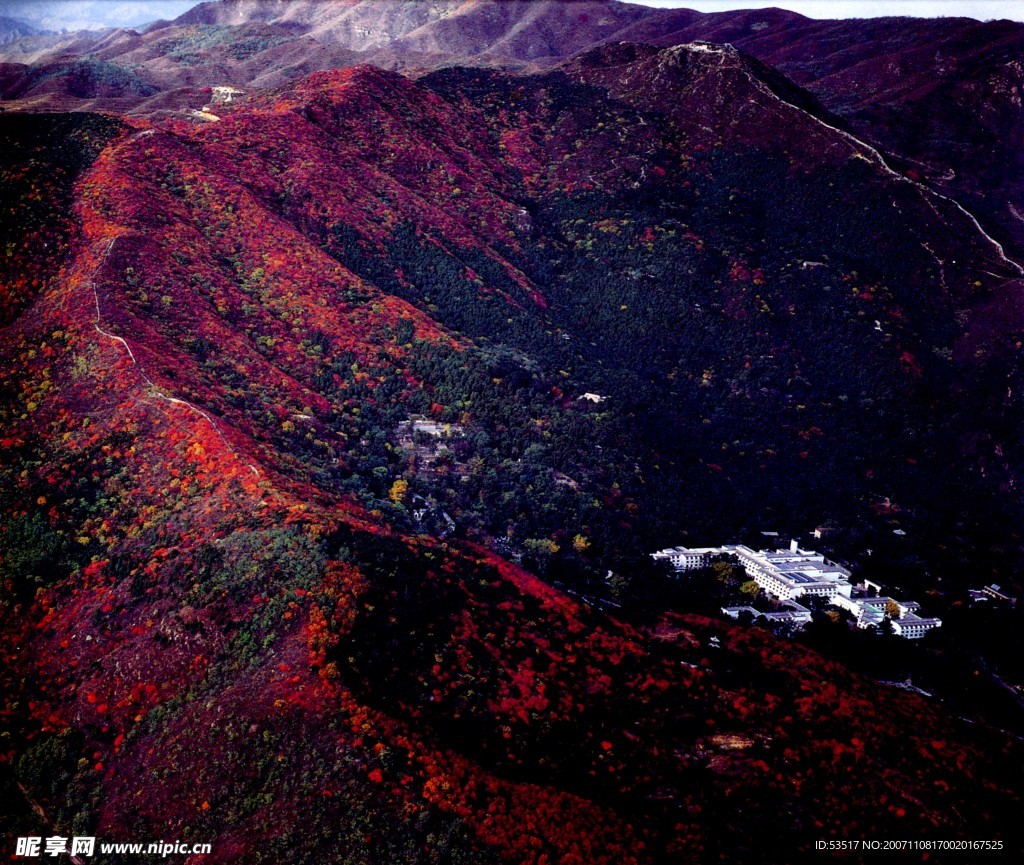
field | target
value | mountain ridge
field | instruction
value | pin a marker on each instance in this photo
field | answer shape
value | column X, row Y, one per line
column 910, row 100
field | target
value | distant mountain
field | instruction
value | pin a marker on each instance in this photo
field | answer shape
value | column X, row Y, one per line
column 12, row 29
column 507, row 29
column 48, row 47
column 78, row 79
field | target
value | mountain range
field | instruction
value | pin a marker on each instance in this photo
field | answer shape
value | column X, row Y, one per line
column 339, row 416
column 942, row 93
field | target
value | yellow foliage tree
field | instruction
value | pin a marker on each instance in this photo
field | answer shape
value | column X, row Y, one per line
column 398, row 490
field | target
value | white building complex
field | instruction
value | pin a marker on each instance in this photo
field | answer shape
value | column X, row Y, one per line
column 794, row 573
column 873, row 610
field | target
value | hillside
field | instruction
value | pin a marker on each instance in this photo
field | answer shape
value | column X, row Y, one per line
column 512, row 30
column 224, row 620
column 941, row 94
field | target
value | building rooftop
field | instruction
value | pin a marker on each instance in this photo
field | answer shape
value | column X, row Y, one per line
column 790, row 573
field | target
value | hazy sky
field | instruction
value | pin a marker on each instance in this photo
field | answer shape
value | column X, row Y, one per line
column 90, row 14
column 85, row 14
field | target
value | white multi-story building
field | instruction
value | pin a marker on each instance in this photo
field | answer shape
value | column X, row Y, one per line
column 794, row 573
column 687, row 558
column 913, row 627
column 789, row 574
column 865, row 610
